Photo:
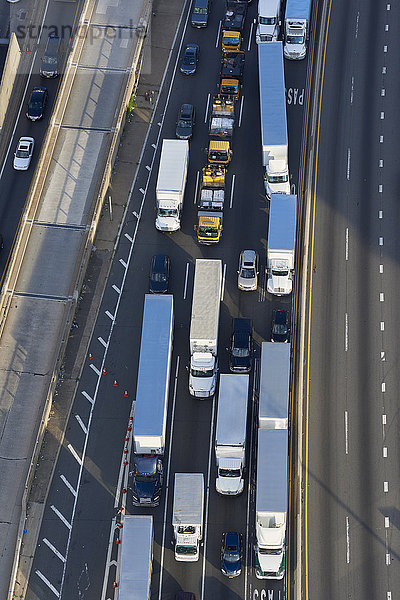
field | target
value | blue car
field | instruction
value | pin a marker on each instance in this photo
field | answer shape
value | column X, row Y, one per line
column 190, row 59
column 231, row 554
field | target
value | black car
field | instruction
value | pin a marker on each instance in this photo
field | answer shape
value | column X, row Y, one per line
column 37, row 103
column 190, row 59
column 159, row 274
column 147, row 480
column 241, row 350
column 201, row 10
column 280, row 326
column 231, row 554
column 185, row 122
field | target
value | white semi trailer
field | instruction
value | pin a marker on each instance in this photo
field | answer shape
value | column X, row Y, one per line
column 274, row 136
column 187, row 515
column 273, row 406
column 271, row 503
column 230, row 438
column 281, row 244
column 204, row 327
column 136, row 558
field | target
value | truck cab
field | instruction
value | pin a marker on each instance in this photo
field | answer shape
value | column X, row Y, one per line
column 209, row 228
column 230, row 88
column 230, row 476
column 277, row 178
column 270, row 549
column 279, row 280
column 147, row 480
column 203, row 375
column 268, row 20
column 187, row 547
column 295, row 47
column 231, row 40
column 219, row 152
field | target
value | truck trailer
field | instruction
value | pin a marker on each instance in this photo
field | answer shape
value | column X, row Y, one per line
column 150, row 419
column 136, row 558
column 274, row 136
column 210, row 205
column 235, row 15
column 296, row 29
column 204, row 325
column 281, row 244
column 222, row 119
column 273, row 406
column 171, row 183
column 271, row 503
column 187, row 515
column 230, row 438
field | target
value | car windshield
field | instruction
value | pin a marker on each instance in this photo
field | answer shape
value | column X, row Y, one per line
column 184, row 123
column 200, row 11
column 189, row 58
column 231, row 556
column 247, row 273
column 22, row 154
column 267, row 20
column 280, row 328
column 240, row 352
column 159, row 277
column 295, row 39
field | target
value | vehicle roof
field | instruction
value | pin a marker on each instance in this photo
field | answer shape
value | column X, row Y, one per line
column 191, row 47
column 159, row 261
column 232, row 538
column 186, row 110
column 218, row 144
column 200, row 3
column 280, row 315
column 249, row 256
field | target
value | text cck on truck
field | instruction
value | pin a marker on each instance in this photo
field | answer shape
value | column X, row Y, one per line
column 211, row 205
column 231, row 73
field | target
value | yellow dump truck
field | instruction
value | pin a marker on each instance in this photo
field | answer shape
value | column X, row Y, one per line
column 231, row 40
column 219, row 153
column 211, row 205
column 222, row 119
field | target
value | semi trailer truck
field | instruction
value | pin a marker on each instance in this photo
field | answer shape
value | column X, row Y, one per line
column 136, row 558
column 171, row 184
column 281, row 244
column 273, row 406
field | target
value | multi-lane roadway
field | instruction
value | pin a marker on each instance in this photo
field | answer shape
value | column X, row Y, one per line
column 76, row 543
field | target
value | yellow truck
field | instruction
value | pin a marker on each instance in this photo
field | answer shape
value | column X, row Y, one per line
column 211, row 205
column 219, row 153
column 231, row 40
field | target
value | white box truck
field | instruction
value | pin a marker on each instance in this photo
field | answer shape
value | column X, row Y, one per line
column 271, row 503
column 296, row 29
column 171, row 183
column 204, row 326
column 269, row 20
column 274, row 136
column 281, row 244
column 152, row 391
column 187, row 515
column 136, row 558
column 230, row 437
column 273, row 405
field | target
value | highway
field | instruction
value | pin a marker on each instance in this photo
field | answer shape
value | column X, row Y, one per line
column 352, row 541
column 76, row 543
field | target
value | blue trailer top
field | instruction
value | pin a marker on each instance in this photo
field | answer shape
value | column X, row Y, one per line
column 282, row 222
column 271, row 77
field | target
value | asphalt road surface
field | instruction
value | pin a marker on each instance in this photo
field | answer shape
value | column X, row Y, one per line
column 353, row 541
column 73, row 561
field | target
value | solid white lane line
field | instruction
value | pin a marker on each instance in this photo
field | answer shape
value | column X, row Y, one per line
column 348, row 164
column 347, row 540
column 53, row 549
column 383, row 387
column 380, row 214
column 83, row 426
column 102, row 342
column 385, row 486
column 197, row 185
column 346, row 430
column 382, row 297
column 141, row 190
column 382, row 325
column 232, row 189
column 69, row 486
column 148, row 168
column 123, row 474
column 206, row 113
column 346, row 332
column 128, row 237
column 74, row 454
column 383, row 92
column 186, row 281
column 241, row 110
column 61, row 517
column 347, row 243
column 380, row 188
column 219, row 31
column 385, row 49
column 383, row 356
column 384, row 419
column 86, row 395
column 250, row 36
column 382, row 115
column 95, row 369
column 383, row 70
column 381, row 163
column 223, row 283
column 387, row 522
column 387, row 559
column 123, row 263
column 210, row 450
column 116, row 289
column 167, row 480
column 352, row 91
column 47, row 582
column 380, row 268
column 381, row 139
column 109, row 315
column 384, row 451
column 387, row 6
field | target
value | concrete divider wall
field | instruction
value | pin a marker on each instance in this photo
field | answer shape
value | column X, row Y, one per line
column 9, row 75
column 23, row 276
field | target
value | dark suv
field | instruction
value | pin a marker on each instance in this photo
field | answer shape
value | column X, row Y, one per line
column 241, row 349
column 37, row 103
column 201, row 10
column 185, row 122
column 147, row 480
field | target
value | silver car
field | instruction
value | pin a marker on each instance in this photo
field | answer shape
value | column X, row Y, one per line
column 248, row 271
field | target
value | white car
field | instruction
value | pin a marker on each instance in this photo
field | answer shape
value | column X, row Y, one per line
column 23, row 155
column 248, row 271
